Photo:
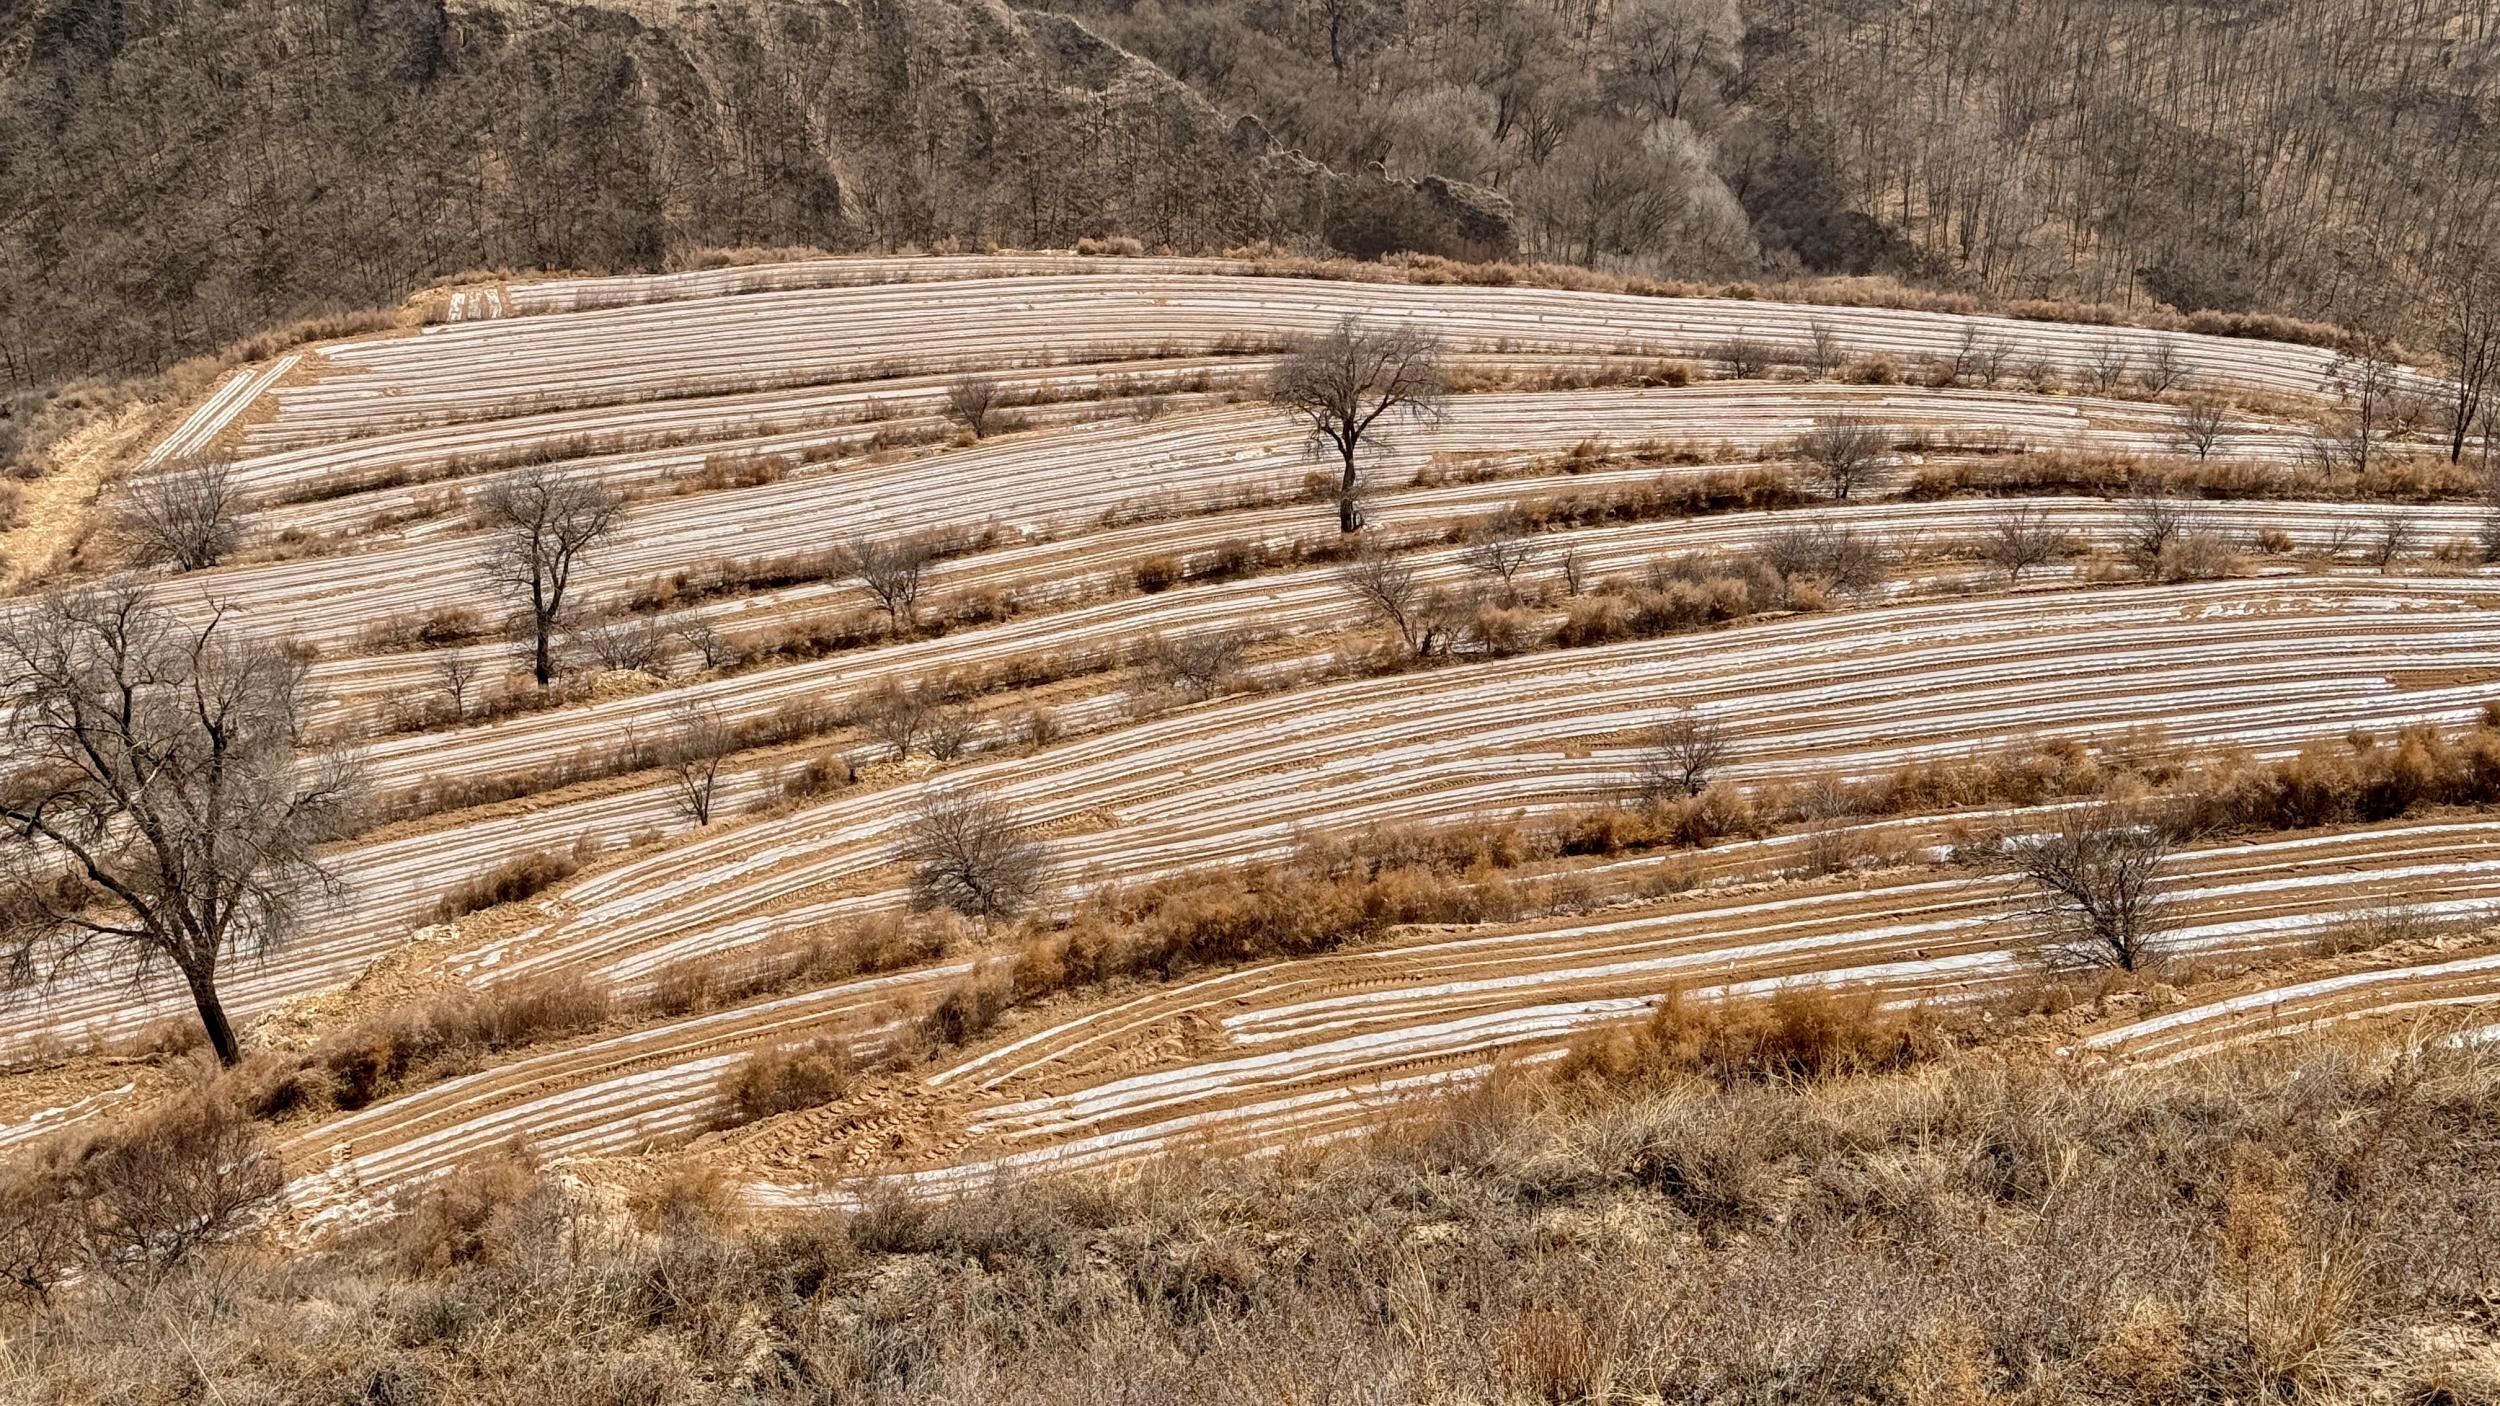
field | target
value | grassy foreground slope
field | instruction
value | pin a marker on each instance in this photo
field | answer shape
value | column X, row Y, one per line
column 1812, row 1201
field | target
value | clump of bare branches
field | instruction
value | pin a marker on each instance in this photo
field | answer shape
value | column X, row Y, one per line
column 2154, row 521
column 2201, row 424
column 974, row 855
column 892, row 572
column 1344, row 382
column 154, row 806
column 948, row 729
column 2110, row 364
column 1823, row 351
column 1684, row 751
column 540, row 520
column 896, row 713
column 2020, row 538
column 2091, row 886
column 1197, row 665
column 2394, row 539
column 716, row 650
column 1505, row 552
column 699, row 742
column 1389, row 590
column 623, row 643
column 1845, row 450
column 455, row 673
column 138, row 1201
column 973, row 401
column 1842, row 558
column 2163, row 366
column 1744, row 358
column 186, row 515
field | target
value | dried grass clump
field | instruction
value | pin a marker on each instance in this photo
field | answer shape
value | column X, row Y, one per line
column 1800, row 1032
column 405, row 1047
column 135, row 1201
column 517, row 878
column 784, row 1079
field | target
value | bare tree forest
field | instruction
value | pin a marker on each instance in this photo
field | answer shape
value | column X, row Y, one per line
column 2284, row 158
column 2327, row 159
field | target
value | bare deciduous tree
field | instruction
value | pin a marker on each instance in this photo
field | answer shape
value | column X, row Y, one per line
column 2163, row 366
column 1574, row 572
column 2154, row 520
column 699, row 742
column 1344, row 382
column 1197, row 665
column 2488, row 532
column 1388, row 589
column 632, row 644
column 948, row 729
column 974, row 855
column 2201, row 424
column 455, row 673
column 1744, row 358
column 2393, row 541
column 1502, row 555
column 2467, row 302
column 2369, row 378
column 1685, row 750
column 156, row 810
column 2111, row 361
column 715, row 649
column 187, row 515
column 973, row 401
column 1846, row 450
column 1979, row 359
column 2092, row 888
column 895, row 714
column 1823, row 349
column 541, row 520
column 2020, row 538
column 892, row 572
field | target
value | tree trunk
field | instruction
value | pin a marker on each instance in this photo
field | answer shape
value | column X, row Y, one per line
column 1349, row 512
column 213, row 1020
column 544, row 663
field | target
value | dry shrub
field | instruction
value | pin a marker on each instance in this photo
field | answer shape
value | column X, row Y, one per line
column 517, row 878
column 975, row 856
column 784, row 1079
column 436, row 629
column 1800, row 1031
column 811, row 958
column 2342, row 781
column 688, row 1198
column 2380, row 927
column 405, row 1047
column 489, row 1210
column 137, row 1200
column 2195, row 556
column 817, row 776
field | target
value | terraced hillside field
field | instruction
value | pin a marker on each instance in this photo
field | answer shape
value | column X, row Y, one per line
column 2080, row 562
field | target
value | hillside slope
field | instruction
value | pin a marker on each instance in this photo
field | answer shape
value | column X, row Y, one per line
column 177, row 177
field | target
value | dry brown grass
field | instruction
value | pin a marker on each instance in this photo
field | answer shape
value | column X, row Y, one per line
column 2308, row 1223
column 515, row 879
column 784, row 1079
column 406, row 1046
